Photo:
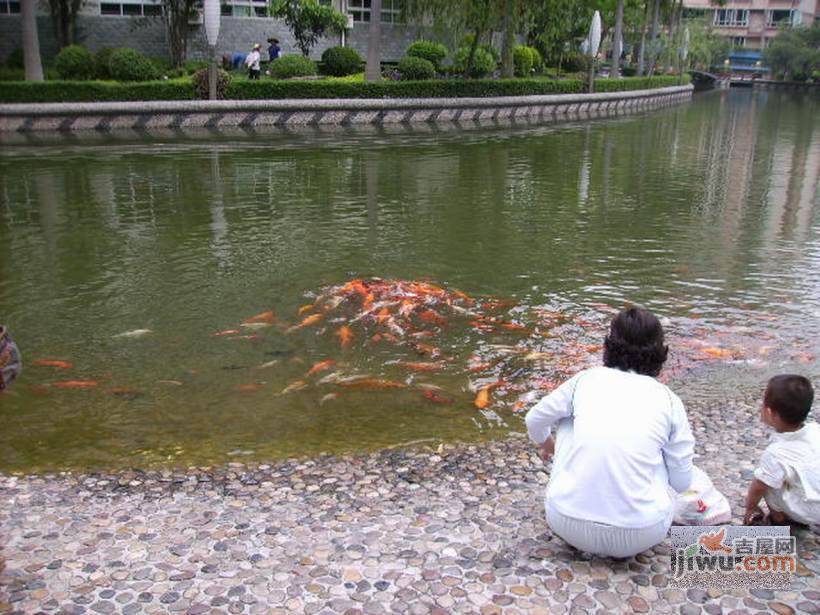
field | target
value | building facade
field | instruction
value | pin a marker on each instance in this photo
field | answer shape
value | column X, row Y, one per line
column 139, row 24
column 751, row 24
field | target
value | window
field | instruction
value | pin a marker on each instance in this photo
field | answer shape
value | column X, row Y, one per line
column 737, row 41
column 731, row 17
column 244, row 8
column 391, row 10
column 785, row 17
column 9, row 7
column 131, row 8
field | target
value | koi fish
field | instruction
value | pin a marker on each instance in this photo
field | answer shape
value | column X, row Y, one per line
column 244, row 337
column 373, row 383
column 255, row 325
column 126, row 392
column 480, row 367
column 327, row 398
column 74, row 384
column 294, row 386
column 427, row 349
column 248, row 386
column 433, row 318
column 718, row 353
column 513, row 326
column 345, row 336
column 306, row 308
column 267, row 365
column 225, row 332
column 421, row 366
column 175, row 383
column 481, row 326
column 482, row 400
column 266, row 317
column 52, row 363
column 134, row 333
column 437, row 399
column 321, row 366
column 310, row 320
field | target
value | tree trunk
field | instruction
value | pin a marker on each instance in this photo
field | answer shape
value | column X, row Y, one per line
column 373, row 71
column 617, row 44
column 656, row 23
column 176, row 18
column 642, row 51
column 468, row 67
column 508, row 24
column 673, row 30
column 31, row 41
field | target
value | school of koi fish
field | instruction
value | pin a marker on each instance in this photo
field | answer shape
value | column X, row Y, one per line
column 420, row 338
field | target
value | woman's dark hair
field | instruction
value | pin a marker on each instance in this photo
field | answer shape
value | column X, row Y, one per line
column 635, row 342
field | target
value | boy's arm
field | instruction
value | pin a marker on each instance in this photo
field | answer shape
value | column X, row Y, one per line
column 757, row 489
column 679, row 449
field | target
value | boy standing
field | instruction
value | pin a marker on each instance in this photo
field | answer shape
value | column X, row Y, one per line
column 788, row 475
column 252, row 62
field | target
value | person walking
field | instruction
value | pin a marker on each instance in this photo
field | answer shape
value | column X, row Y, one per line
column 252, row 62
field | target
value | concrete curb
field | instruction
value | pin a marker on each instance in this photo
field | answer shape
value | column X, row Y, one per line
column 147, row 115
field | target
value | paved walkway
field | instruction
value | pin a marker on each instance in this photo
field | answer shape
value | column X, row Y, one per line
column 458, row 530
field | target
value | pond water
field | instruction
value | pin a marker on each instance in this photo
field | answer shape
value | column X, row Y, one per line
column 705, row 212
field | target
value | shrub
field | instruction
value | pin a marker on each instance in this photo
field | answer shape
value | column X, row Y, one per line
column 576, row 63
column 537, row 60
column 286, row 67
column 15, row 59
column 428, row 50
column 629, row 71
column 194, row 66
column 415, row 69
column 102, row 60
column 202, row 84
column 12, row 74
column 130, row 65
column 522, row 61
column 75, row 62
column 483, row 63
column 341, row 61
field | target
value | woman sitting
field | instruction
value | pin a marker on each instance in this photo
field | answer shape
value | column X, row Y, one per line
column 622, row 439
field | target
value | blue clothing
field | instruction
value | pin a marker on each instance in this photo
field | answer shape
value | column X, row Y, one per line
column 237, row 60
column 274, row 51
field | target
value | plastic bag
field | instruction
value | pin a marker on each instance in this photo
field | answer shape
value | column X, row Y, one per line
column 702, row 503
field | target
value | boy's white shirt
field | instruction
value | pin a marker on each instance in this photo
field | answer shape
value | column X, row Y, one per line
column 790, row 465
column 252, row 61
column 622, row 439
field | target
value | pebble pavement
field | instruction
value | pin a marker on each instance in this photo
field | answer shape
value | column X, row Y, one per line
column 455, row 529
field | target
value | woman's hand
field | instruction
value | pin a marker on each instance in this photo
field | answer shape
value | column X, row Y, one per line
column 547, row 449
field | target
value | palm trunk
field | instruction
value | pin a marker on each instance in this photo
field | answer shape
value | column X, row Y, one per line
column 373, row 71
column 31, row 41
column 507, row 65
column 617, row 45
column 642, row 51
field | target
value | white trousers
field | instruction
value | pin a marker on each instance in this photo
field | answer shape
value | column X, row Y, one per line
column 607, row 540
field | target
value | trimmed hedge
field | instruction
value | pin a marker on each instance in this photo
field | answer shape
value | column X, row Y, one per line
column 246, row 89
column 341, row 61
column 286, row 67
column 413, row 68
column 75, row 62
column 127, row 64
column 95, row 91
column 428, row 50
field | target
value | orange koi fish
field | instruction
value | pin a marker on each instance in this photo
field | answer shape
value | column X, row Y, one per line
column 482, row 400
column 248, row 386
column 427, row 349
column 310, row 320
column 433, row 318
column 305, row 308
column 345, row 336
column 480, row 367
column 52, row 363
column 481, row 326
column 419, row 334
column 74, row 384
column 383, row 315
column 267, row 317
column 373, row 383
column 321, row 366
column 437, row 399
column 513, row 326
column 421, row 366
column 244, row 337
column 294, row 386
column 718, row 353
column 225, row 332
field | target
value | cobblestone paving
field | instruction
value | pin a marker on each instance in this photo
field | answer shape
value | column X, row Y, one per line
column 454, row 530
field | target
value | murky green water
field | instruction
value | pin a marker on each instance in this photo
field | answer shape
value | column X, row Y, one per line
column 706, row 213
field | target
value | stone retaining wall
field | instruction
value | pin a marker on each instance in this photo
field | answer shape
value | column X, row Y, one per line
column 792, row 86
column 341, row 112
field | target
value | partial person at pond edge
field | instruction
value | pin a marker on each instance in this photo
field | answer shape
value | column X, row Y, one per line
column 11, row 364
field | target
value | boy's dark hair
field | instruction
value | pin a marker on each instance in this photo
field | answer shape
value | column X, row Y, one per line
column 790, row 396
column 635, row 342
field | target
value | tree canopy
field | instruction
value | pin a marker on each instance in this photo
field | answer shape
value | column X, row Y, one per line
column 795, row 53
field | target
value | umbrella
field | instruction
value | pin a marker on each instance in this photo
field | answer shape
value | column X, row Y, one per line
column 594, row 39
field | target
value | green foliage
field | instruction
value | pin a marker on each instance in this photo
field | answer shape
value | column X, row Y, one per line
column 483, row 62
column 130, row 65
column 202, row 83
column 308, row 21
column 286, row 67
column 75, row 62
column 526, row 60
column 15, row 59
column 341, row 61
column 12, row 74
column 576, row 63
column 706, row 47
column 95, row 91
column 102, row 59
column 794, row 54
column 415, row 69
column 428, row 50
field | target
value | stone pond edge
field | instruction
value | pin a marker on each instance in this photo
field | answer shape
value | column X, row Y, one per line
column 147, row 115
